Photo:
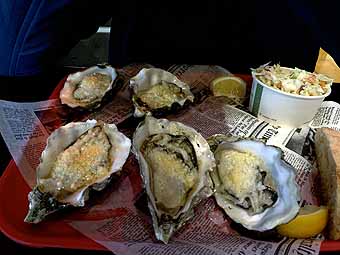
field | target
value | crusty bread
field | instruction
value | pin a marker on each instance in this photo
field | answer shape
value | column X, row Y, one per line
column 327, row 146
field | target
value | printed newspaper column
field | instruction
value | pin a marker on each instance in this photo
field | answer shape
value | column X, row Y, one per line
column 208, row 233
column 24, row 134
column 328, row 115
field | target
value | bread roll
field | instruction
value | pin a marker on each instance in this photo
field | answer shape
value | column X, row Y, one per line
column 327, row 146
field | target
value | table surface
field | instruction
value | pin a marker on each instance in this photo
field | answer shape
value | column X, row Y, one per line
column 37, row 89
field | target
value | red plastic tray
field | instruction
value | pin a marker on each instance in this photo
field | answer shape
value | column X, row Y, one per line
column 52, row 233
column 14, row 204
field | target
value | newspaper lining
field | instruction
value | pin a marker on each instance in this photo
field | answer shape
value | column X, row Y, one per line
column 120, row 220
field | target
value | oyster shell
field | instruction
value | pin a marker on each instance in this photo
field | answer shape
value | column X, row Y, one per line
column 77, row 156
column 174, row 162
column 87, row 89
column 158, row 91
column 253, row 185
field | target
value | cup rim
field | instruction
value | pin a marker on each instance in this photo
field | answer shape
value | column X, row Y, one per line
column 290, row 94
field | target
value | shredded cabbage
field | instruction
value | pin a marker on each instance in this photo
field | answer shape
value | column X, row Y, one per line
column 295, row 81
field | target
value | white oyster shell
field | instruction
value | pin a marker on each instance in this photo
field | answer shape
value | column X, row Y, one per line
column 149, row 77
column 283, row 175
column 94, row 97
column 165, row 224
column 42, row 203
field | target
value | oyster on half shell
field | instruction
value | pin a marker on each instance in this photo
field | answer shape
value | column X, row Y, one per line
column 158, row 91
column 78, row 156
column 174, row 161
column 86, row 89
column 253, row 185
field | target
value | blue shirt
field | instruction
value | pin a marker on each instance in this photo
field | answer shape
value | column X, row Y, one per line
column 35, row 34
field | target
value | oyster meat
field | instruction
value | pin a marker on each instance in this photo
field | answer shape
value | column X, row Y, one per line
column 253, row 185
column 87, row 89
column 175, row 162
column 158, row 91
column 77, row 156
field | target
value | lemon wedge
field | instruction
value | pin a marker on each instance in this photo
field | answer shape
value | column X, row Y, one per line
column 310, row 221
column 229, row 86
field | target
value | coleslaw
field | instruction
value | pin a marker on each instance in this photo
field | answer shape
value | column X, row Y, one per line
column 294, row 81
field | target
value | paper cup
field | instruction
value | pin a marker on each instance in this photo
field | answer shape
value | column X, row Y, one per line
column 281, row 108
